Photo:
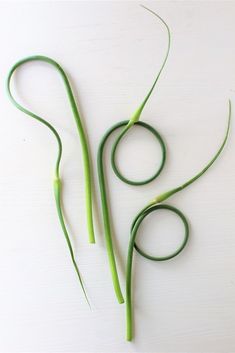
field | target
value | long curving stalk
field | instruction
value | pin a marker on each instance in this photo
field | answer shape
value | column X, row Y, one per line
column 136, row 115
column 104, row 201
column 57, row 184
column 83, row 140
column 125, row 127
column 153, row 205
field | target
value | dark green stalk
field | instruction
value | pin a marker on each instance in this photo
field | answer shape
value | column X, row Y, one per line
column 153, row 205
column 104, row 202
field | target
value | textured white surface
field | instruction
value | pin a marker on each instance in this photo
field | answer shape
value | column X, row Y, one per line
column 112, row 50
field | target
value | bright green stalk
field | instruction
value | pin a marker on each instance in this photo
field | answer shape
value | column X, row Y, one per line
column 154, row 205
column 106, row 219
column 84, row 144
column 57, row 180
column 126, row 125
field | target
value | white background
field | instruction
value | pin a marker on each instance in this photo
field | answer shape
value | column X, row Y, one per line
column 112, row 51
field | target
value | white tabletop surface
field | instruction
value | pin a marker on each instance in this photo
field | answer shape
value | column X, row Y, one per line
column 111, row 52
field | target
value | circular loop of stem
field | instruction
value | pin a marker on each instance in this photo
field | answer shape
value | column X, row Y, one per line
column 162, row 162
column 104, row 199
column 184, row 240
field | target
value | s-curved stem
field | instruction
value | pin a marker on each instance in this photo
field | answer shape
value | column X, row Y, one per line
column 57, row 181
column 83, row 140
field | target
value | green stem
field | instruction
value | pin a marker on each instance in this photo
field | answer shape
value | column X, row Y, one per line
column 57, row 191
column 106, row 215
column 126, row 125
column 169, row 193
column 134, row 229
column 135, row 117
column 84, row 144
column 57, row 181
column 150, row 207
column 103, row 195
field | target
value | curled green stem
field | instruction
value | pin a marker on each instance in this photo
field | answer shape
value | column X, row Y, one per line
column 104, row 201
column 126, row 125
column 136, row 115
column 153, row 205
